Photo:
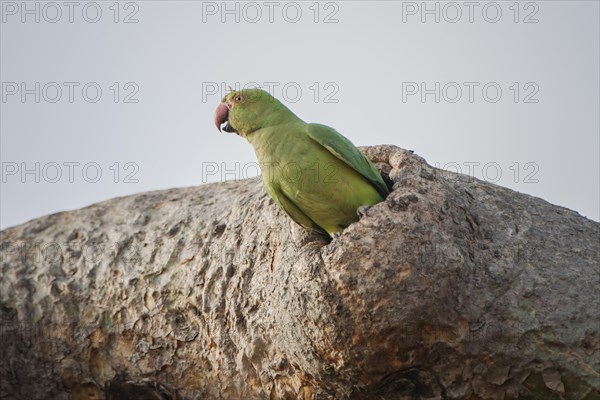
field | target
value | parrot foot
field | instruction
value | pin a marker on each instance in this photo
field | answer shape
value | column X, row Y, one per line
column 336, row 235
column 362, row 211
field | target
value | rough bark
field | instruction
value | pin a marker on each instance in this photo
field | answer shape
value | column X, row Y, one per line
column 452, row 288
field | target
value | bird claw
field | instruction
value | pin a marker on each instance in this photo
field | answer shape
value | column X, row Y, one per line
column 336, row 235
column 362, row 211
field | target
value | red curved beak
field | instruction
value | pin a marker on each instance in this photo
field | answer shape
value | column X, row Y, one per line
column 221, row 115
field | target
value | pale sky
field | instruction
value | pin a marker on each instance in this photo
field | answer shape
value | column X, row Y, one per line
column 100, row 101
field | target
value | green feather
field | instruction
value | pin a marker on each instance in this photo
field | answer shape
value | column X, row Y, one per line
column 343, row 149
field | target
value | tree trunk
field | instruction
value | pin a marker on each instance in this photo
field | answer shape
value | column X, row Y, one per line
column 452, row 288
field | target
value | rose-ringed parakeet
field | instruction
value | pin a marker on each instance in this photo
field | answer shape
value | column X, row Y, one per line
column 311, row 171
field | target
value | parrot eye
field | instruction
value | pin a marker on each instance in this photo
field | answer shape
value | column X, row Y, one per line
column 239, row 98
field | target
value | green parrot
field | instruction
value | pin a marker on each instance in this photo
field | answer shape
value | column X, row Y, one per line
column 314, row 173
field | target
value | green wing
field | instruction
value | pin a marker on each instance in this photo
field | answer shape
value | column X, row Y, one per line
column 343, row 149
column 294, row 211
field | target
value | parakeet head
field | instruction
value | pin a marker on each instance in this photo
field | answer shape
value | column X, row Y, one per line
column 247, row 110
